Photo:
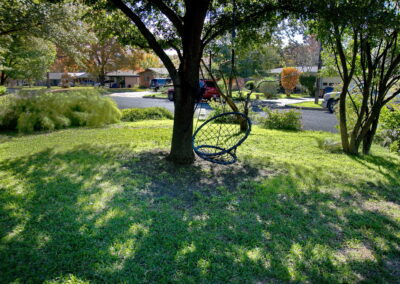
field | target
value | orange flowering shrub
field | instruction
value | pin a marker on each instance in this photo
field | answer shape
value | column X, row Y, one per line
column 289, row 79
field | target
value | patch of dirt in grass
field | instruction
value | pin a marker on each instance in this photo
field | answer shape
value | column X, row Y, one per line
column 191, row 182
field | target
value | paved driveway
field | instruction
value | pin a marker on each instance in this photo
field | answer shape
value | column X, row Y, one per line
column 311, row 119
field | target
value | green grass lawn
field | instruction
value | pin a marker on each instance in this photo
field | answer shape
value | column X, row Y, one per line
column 293, row 96
column 103, row 205
column 307, row 104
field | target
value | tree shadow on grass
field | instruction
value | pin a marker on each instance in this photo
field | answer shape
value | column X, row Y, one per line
column 388, row 167
column 112, row 215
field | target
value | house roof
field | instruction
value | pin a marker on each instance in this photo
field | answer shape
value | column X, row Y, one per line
column 119, row 73
column 160, row 71
column 57, row 75
column 312, row 69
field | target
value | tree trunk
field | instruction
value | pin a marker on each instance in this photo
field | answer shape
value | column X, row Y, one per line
column 102, row 79
column 343, row 121
column 369, row 137
column 3, row 78
column 186, row 92
column 187, row 82
column 181, row 145
column 48, row 80
column 317, row 90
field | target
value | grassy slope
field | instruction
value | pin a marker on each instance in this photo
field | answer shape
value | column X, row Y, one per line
column 101, row 205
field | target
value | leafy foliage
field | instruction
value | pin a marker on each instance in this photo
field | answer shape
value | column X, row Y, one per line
column 154, row 113
column 26, row 58
column 3, row 90
column 28, row 112
column 308, row 81
column 389, row 132
column 283, row 120
column 289, row 79
column 269, row 88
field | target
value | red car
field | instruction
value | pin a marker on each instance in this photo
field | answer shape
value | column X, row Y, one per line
column 211, row 90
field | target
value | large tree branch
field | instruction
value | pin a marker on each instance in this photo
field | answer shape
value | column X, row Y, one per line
column 147, row 35
column 175, row 19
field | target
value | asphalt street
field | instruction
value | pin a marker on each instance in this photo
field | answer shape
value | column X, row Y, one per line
column 311, row 119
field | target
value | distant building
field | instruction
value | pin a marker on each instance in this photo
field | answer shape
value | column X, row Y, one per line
column 76, row 78
column 151, row 73
column 122, row 79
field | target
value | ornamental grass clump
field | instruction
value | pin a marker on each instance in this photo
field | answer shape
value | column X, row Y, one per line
column 44, row 110
column 150, row 113
column 282, row 120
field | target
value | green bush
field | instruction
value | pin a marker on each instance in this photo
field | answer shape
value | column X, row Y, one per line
column 269, row 88
column 284, row 120
column 308, row 81
column 250, row 85
column 154, row 113
column 389, row 129
column 3, row 90
column 43, row 110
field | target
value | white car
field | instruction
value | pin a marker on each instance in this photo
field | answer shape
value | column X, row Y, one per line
column 330, row 100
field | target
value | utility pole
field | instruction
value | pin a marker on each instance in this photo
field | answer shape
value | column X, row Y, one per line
column 317, row 89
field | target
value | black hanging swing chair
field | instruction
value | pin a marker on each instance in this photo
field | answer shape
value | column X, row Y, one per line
column 217, row 139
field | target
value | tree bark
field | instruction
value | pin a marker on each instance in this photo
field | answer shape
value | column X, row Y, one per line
column 48, row 80
column 369, row 137
column 343, row 121
column 3, row 78
column 102, row 79
column 187, row 82
column 181, row 145
column 317, row 90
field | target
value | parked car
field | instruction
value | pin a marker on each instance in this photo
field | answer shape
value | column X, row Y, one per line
column 210, row 90
column 330, row 100
column 157, row 83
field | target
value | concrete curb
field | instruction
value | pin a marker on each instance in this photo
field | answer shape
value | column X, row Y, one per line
column 155, row 98
column 306, row 108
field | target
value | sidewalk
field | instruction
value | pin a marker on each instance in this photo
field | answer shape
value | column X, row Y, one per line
column 287, row 101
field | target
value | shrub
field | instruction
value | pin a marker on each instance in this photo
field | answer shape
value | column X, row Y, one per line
column 329, row 145
column 250, row 85
column 3, row 90
column 308, row 81
column 269, row 88
column 43, row 110
column 389, row 129
column 289, row 79
column 284, row 120
column 155, row 113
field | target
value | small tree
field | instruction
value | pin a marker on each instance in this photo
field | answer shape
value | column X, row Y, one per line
column 363, row 37
column 308, row 81
column 289, row 79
